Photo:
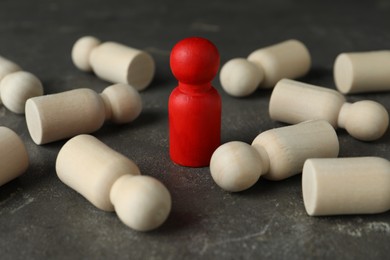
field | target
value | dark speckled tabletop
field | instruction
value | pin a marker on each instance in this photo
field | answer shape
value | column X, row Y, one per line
column 42, row 218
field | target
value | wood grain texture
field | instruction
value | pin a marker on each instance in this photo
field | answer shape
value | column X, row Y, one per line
column 14, row 159
column 265, row 67
column 54, row 117
column 111, row 181
column 359, row 72
column 16, row 86
column 356, row 185
column 275, row 154
column 114, row 62
column 293, row 102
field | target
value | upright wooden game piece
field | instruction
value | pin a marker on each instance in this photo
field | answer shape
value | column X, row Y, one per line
column 362, row 72
column 13, row 155
column 114, row 62
column 16, row 86
column 359, row 185
column 293, row 102
column 111, row 181
column 275, row 154
column 265, row 67
column 58, row 116
column 194, row 106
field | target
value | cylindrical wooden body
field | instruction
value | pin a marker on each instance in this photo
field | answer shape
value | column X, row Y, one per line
column 288, row 147
column 13, row 155
column 362, row 72
column 58, row 116
column 289, row 59
column 118, row 63
column 359, row 185
column 90, row 167
column 294, row 102
column 194, row 125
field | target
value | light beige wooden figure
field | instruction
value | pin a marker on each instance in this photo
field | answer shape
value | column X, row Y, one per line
column 362, row 72
column 114, row 62
column 7, row 67
column 111, row 181
column 16, row 86
column 13, row 155
column 275, row 154
column 359, row 185
column 293, row 102
column 265, row 67
column 80, row 111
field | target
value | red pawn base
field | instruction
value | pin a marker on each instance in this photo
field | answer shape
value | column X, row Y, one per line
column 195, row 132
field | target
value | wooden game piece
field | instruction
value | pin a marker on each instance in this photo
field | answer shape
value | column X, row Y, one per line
column 7, row 67
column 240, row 78
column 17, row 87
column 362, row 72
column 275, row 154
column 58, row 116
column 359, row 185
column 111, row 181
column 81, row 52
column 13, row 155
column 114, row 62
column 195, row 105
column 293, row 102
column 265, row 67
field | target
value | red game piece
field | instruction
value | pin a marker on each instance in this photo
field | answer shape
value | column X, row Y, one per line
column 194, row 105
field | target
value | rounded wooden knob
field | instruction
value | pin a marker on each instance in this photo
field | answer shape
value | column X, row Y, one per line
column 141, row 202
column 17, row 87
column 240, row 78
column 194, row 61
column 365, row 120
column 81, row 51
column 122, row 102
column 236, row 166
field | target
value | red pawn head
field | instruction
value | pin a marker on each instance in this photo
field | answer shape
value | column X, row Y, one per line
column 194, row 61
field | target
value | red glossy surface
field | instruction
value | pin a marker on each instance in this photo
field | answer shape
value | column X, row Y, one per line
column 194, row 105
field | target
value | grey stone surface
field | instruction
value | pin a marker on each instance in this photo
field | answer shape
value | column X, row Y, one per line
column 42, row 218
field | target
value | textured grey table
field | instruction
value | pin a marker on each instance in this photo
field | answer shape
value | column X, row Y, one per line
column 42, row 218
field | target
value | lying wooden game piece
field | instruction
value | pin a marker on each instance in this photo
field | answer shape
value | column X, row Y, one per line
column 13, row 155
column 362, row 72
column 114, row 62
column 80, row 111
column 111, row 181
column 16, row 86
column 265, row 67
column 293, row 102
column 275, row 154
column 7, row 67
column 359, row 185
